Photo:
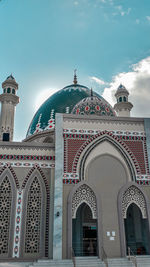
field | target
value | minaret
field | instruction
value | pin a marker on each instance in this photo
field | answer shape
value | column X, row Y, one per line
column 122, row 107
column 8, row 100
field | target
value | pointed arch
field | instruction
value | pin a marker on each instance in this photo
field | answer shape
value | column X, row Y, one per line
column 87, row 147
column 36, row 214
column 7, row 167
column 133, row 195
column 129, row 194
column 84, row 194
column 95, row 207
column 7, row 212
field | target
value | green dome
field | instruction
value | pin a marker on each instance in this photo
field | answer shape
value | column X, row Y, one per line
column 62, row 101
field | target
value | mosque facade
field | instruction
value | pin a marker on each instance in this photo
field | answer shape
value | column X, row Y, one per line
column 80, row 180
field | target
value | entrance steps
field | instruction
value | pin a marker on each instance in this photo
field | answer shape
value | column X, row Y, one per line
column 52, row 263
column 14, row 264
column 143, row 261
column 120, row 262
column 79, row 262
column 88, row 262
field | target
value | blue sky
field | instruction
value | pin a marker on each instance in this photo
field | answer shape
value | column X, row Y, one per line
column 43, row 41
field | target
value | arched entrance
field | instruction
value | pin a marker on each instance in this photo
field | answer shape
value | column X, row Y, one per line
column 84, row 232
column 135, row 218
column 136, row 231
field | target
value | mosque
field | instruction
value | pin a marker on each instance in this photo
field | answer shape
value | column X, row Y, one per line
column 78, row 185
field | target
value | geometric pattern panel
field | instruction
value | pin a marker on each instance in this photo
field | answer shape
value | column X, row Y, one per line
column 33, row 220
column 5, row 212
column 84, row 194
column 133, row 195
column 18, row 220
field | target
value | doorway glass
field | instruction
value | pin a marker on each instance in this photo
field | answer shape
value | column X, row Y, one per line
column 136, row 231
column 84, row 232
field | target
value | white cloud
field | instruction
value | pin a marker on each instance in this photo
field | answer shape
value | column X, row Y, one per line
column 137, row 21
column 137, row 82
column 97, row 80
column 76, row 3
column 121, row 11
column 148, row 18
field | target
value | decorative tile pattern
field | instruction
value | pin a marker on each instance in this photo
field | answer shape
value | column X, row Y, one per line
column 28, row 164
column 134, row 143
column 7, row 165
column 16, row 244
column 133, row 195
column 84, row 194
column 71, row 176
column 5, row 211
column 116, row 139
column 137, row 148
column 143, row 177
column 93, row 105
column 37, row 167
column 89, row 132
column 26, row 157
column 33, row 220
column 70, row 181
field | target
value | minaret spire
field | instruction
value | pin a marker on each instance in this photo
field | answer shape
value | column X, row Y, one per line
column 75, row 77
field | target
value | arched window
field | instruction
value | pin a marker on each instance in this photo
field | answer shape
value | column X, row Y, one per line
column 8, row 90
column 13, row 91
column 5, row 212
column 33, row 220
column 120, row 99
column 124, row 99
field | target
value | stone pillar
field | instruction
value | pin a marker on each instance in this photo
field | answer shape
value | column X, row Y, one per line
column 147, row 131
column 58, row 189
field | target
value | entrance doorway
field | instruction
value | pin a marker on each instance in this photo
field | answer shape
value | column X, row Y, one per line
column 136, row 231
column 84, row 232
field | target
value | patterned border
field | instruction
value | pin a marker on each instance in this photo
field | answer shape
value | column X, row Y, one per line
column 89, row 132
column 28, row 164
column 26, row 157
column 16, row 245
column 122, row 137
column 70, row 181
column 74, row 176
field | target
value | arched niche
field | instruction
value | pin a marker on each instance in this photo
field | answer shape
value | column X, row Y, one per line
column 7, row 213
column 34, row 234
column 134, row 212
column 105, row 145
column 83, row 195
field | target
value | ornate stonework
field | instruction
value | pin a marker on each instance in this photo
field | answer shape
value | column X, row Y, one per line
column 16, row 244
column 84, row 194
column 5, row 210
column 133, row 195
column 32, row 235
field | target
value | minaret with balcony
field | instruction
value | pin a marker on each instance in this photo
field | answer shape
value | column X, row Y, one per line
column 122, row 107
column 9, row 100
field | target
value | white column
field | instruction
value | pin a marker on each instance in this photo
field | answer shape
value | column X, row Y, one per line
column 58, row 189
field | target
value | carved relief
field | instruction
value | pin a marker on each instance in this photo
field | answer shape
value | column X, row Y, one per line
column 133, row 195
column 5, row 211
column 32, row 240
column 84, row 194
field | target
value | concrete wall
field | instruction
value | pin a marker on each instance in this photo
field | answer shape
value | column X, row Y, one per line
column 108, row 175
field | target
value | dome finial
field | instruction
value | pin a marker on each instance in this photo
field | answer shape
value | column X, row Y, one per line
column 75, row 77
column 91, row 92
